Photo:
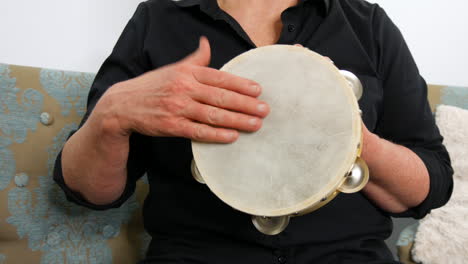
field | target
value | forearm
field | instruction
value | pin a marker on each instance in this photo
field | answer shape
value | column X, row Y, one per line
column 399, row 179
column 94, row 162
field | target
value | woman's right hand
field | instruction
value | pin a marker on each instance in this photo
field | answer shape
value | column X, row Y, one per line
column 184, row 99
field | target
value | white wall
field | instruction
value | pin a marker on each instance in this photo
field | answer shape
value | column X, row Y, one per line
column 437, row 34
column 78, row 35
column 61, row 34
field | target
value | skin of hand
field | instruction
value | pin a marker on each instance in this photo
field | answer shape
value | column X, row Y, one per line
column 184, row 99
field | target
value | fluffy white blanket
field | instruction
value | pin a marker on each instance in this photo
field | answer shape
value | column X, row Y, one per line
column 442, row 236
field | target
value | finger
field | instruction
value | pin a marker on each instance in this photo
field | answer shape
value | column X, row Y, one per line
column 227, row 81
column 202, row 55
column 299, row 45
column 219, row 117
column 205, row 133
column 230, row 100
column 329, row 59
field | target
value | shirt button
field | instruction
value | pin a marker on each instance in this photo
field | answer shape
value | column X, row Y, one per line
column 282, row 259
column 291, row 27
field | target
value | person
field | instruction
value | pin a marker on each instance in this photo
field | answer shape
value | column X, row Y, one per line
column 154, row 94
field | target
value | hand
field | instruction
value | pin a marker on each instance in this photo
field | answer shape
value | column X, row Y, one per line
column 184, row 99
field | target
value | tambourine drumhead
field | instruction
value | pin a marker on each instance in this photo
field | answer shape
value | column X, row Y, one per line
column 306, row 146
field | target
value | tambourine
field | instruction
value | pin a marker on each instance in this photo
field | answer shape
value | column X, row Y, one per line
column 308, row 149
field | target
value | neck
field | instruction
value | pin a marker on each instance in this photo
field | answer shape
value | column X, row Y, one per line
column 260, row 19
column 265, row 8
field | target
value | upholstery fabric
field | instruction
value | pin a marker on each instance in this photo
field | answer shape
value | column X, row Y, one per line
column 405, row 243
column 446, row 228
column 448, row 95
column 438, row 95
column 38, row 109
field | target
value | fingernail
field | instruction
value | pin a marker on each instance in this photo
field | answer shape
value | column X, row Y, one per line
column 262, row 107
column 255, row 88
column 253, row 121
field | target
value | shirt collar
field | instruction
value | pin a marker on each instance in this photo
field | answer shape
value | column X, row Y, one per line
column 210, row 6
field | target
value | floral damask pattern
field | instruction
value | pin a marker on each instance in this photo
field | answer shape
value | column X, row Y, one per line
column 61, row 231
column 19, row 113
column 64, row 232
column 7, row 167
column 66, row 88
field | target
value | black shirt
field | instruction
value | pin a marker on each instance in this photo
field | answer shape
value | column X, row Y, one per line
column 189, row 224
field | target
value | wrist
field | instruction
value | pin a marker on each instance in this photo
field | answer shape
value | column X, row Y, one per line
column 107, row 118
column 105, row 126
column 372, row 148
column 105, row 140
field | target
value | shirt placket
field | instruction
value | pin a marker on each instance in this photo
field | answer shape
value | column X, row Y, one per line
column 283, row 256
column 290, row 19
column 291, row 25
column 212, row 9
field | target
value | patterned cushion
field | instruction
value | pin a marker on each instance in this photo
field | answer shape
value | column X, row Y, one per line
column 38, row 108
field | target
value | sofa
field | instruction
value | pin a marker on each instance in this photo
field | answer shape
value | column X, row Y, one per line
column 38, row 109
column 442, row 236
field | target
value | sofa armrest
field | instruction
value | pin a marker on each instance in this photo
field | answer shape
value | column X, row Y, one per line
column 405, row 244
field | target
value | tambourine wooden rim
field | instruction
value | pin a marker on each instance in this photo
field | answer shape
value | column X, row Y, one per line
column 337, row 183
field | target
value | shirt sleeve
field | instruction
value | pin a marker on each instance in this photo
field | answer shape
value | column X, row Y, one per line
column 406, row 117
column 126, row 61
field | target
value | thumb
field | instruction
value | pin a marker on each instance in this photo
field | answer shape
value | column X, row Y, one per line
column 202, row 55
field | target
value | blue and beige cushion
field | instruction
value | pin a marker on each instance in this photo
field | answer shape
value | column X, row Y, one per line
column 38, row 109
